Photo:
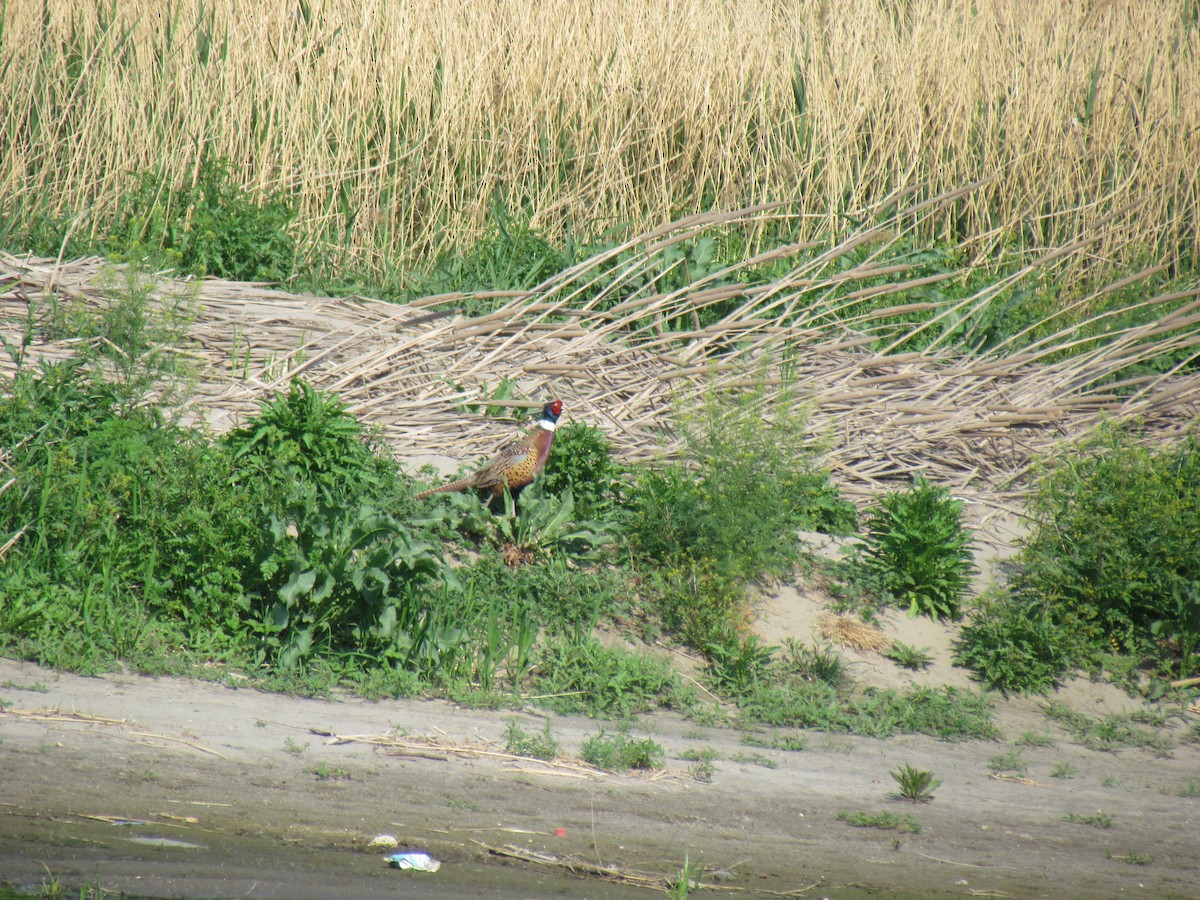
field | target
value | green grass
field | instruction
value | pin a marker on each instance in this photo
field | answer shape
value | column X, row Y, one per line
column 520, row 742
column 324, row 772
column 946, row 713
column 754, row 759
column 294, row 748
column 585, row 676
column 1012, row 761
column 1063, row 770
column 703, row 766
column 619, row 752
column 791, row 743
column 910, row 657
column 1098, row 820
column 885, row 821
column 1034, row 739
column 1132, row 859
column 1112, row 732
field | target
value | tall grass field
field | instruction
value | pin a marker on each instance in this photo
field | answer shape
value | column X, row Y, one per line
column 394, row 128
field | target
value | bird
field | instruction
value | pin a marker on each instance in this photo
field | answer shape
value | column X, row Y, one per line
column 516, row 464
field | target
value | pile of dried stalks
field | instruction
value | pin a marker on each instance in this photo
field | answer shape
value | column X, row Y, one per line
column 851, row 631
column 975, row 421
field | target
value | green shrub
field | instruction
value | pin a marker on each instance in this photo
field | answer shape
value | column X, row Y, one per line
column 211, row 227
column 738, row 664
column 307, row 438
column 544, row 526
column 335, row 578
column 131, row 534
column 1183, row 629
column 917, row 547
column 822, row 663
column 119, row 511
column 915, row 785
column 582, row 462
column 1115, row 531
column 126, row 344
column 731, row 511
column 750, row 481
column 697, row 601
column 910, row 656
column 1016, row 646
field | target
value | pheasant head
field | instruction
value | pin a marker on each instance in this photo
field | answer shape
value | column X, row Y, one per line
column 550, row 413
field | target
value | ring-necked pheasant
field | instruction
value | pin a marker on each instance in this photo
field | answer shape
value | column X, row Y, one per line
column 516, row 465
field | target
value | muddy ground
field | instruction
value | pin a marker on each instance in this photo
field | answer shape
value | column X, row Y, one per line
column 271, row 806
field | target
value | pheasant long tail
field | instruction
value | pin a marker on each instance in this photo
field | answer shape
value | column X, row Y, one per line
column 461, row 485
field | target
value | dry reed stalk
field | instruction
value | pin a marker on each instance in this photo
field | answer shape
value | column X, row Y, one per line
column 393, row 124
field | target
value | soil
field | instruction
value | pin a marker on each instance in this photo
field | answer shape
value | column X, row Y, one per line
column 189, row 788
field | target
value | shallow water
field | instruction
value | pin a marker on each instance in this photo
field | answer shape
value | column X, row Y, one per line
column 82, row 855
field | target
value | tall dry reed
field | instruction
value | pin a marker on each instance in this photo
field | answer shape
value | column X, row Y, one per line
column 396, row 124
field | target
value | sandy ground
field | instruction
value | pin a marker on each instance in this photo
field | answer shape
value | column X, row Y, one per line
column 233, row 774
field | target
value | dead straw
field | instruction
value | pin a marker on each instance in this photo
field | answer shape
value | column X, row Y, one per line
column 976, row 422
column 851, row 631
column 574, row 865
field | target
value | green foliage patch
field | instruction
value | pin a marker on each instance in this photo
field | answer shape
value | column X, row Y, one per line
column 210, row 227
column 789, row 692
column 585, row 676
column 730, row 511
column 1112, row 551
column 1111, row 732
column 886, row 821
column 915, row 785
column 918, row 550
column 619, row 752
column 540, row 745
column 293, row 544
column 583, row 463
column 1016, row 646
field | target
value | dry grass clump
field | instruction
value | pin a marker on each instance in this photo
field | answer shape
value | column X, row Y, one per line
column 851, row 631
column 394, row 125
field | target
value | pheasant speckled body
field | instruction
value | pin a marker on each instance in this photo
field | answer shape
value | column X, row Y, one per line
column 515, row 466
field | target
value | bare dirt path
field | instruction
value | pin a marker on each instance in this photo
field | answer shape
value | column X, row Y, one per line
column 238, row 773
